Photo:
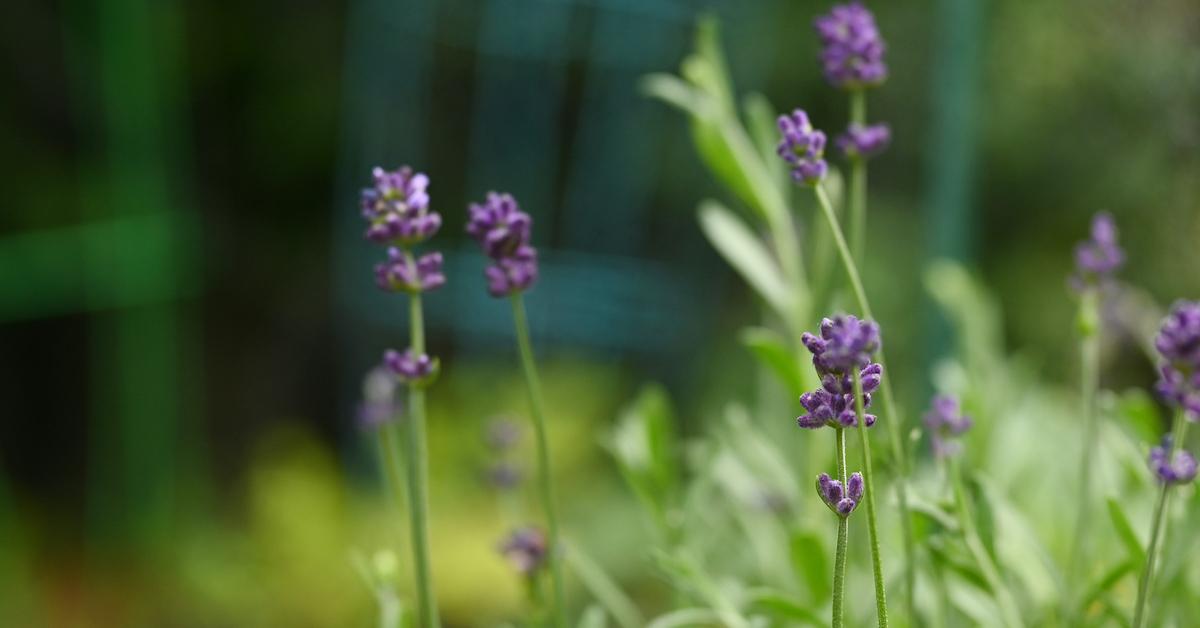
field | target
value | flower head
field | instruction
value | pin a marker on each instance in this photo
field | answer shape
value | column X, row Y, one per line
column 845, row 342
column 861, row 141
column 378, row 404
column 1177, row 469
column 503, row 231
column 851, row 47
column 502, row 434
column 411, row 368
column 845, row 346
column 1178, row 342
column 803, row 147
column 397, row 207
column 841, row 500
column 400, row 274
column 1097, row 258
column 946, row 422
column 525, row 548
column 833, row 404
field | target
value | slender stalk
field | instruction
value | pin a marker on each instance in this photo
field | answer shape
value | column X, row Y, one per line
column 843, row 536
column 1089, row 350
column 1009, row 613
column 1156, row 528
column 869, row 493
column 893, row 418
column 545, row 481
column 858, row 182
column 417, row 468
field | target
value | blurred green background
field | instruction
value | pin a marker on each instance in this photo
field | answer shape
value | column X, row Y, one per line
column 187, row 309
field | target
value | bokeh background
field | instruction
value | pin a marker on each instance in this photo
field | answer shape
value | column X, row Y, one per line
column 187, row 308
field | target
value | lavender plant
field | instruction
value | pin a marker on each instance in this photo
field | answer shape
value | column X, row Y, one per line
column 1178, row 343
column 396, row 208
column 503, row 232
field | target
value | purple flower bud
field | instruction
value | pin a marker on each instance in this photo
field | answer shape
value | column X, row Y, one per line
column 847, row 343
column 802, row 147
column 397, row 274
column 1178, row 342
column 851, row 47
column 1180, row 469
column 516, row 273
column 1098, row 258
column 499, row 225
column 945, row 421
column 526, row 549
column 416, row 370
column 397, row 208
column 861, row 141
column 378, row 404
column 841, row 501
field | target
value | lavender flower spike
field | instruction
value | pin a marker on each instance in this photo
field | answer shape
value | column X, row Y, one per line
column 851, row 47
column 398, row 275
column 1097, row 258
column 525, row 548
column 378, row 405
column 845, row 344
column 802, row 147
column 946, row 422
column 1178, row 470
column 397, row 208
column 410, row 368
column 1179, row 344
column 503, row 232
column 862, row 141
column 841, row 500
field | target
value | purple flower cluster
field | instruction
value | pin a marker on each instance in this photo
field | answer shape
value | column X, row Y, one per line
column 397, row 208
column 1099, row 257
column 1177, row 469
column 802, row 147
column 402, row 274
column 503, row 232
column 851, row 47
column 411, row 368
column 378, row 404
column 1179, row 344
column 841, row 500
column 862, row 141
column 945, row 422
column 502, row 436
column 525, row 548
column 846, row 344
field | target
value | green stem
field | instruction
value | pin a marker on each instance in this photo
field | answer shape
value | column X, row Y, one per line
column 1089, row 350
column 545, row 481
column 1009, row 613
column 869, row 493
column 1157, row 526
column 417, row 462
column 858, row 181
column 843, row 536
column 892, row 415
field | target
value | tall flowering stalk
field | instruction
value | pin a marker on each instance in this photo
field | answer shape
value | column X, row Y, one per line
column 842, row 355
column 1178, row 342
column 1096, row 260
column 503, row 232
column 396, row 208
column 802, row 147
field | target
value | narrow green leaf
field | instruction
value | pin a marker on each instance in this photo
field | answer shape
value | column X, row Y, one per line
column 782, row 606
column 811, row 563
column 772, row 351
column 1120, row 522
column 686, row 618
column 593, row 617
column 1106, row 582
column 746, row 253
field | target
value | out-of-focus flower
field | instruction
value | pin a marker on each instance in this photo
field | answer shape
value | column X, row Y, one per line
column 851, row 47
column 1179, row 469
column 503, row 475
column 802, row 147
column 526, row 550
column 397, row 207
column 861, row 141
column 411, row 368
column 1178, row 342
column 398, row 274
column 1097, row 258
column 502, row 434
column 946, row 422
column 378, row 404
column 841, row 500
column 503, row 231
